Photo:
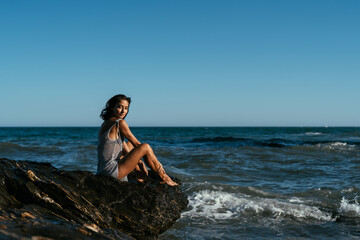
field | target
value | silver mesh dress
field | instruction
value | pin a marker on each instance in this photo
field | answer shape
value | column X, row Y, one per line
column 109, row 152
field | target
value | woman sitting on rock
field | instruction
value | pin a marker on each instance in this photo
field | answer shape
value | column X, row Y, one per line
column 118, row 158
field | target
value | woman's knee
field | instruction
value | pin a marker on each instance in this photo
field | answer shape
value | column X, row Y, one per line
column 146, row 147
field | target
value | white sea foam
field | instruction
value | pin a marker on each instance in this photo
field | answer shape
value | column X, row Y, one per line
column 260, row 191
column 349, row 208
column 295, row 200
column 217, row 205
column 342, row 146
column 335, row 144
column 348, row 190
column 313, row 133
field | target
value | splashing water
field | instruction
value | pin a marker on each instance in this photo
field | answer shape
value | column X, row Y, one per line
column 218, row 205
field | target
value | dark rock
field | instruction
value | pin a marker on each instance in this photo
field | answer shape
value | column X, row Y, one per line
column 40, row 201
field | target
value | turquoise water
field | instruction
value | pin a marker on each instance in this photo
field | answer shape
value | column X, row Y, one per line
column 247, row 183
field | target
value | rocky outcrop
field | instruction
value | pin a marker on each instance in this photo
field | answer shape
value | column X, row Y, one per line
column 38, row 201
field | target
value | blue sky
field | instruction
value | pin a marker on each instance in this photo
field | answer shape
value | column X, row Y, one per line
column 184, row 63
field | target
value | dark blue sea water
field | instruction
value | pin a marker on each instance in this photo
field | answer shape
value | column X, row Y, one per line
column 242, row 183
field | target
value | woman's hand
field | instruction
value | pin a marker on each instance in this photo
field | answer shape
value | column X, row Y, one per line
column 143, row 168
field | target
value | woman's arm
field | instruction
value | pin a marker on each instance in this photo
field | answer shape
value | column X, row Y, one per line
column 125, row 131
column 126, row 148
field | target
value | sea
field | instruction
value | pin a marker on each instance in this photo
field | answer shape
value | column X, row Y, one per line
column 241, row 182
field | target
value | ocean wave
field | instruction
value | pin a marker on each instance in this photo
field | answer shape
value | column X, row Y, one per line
column 91, row 147
column 6, row 146
column 9, row 147
column 313, row 133
column 218, row 205
column 275, row 142
column 259, row 192
column 342, row 146
column 349, row 190
column 220, row 139
column 349, row 208
column 279, row 143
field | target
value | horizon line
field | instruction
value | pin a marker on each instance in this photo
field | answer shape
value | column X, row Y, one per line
column 195, row 126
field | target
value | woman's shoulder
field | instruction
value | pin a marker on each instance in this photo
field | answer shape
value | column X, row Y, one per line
column 107, row 125
column 112, row 121
column 121, row 121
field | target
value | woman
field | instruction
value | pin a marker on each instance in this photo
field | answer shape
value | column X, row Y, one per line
column 118, row 158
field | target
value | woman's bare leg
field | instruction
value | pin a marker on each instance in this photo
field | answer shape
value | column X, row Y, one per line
column 140, row 174
column 131, row 147
column 129, row 162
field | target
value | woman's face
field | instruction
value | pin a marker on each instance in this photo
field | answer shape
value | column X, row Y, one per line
column 121, row 109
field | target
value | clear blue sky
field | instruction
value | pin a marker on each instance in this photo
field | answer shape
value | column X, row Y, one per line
column 184, row 63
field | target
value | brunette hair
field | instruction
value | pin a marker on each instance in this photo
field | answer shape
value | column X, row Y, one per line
column 107, row 113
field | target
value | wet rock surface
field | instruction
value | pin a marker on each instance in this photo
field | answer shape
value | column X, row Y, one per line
column 38, row 201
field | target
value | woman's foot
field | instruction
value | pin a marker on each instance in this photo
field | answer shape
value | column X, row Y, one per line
column 141, row 177
column 164, row 177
